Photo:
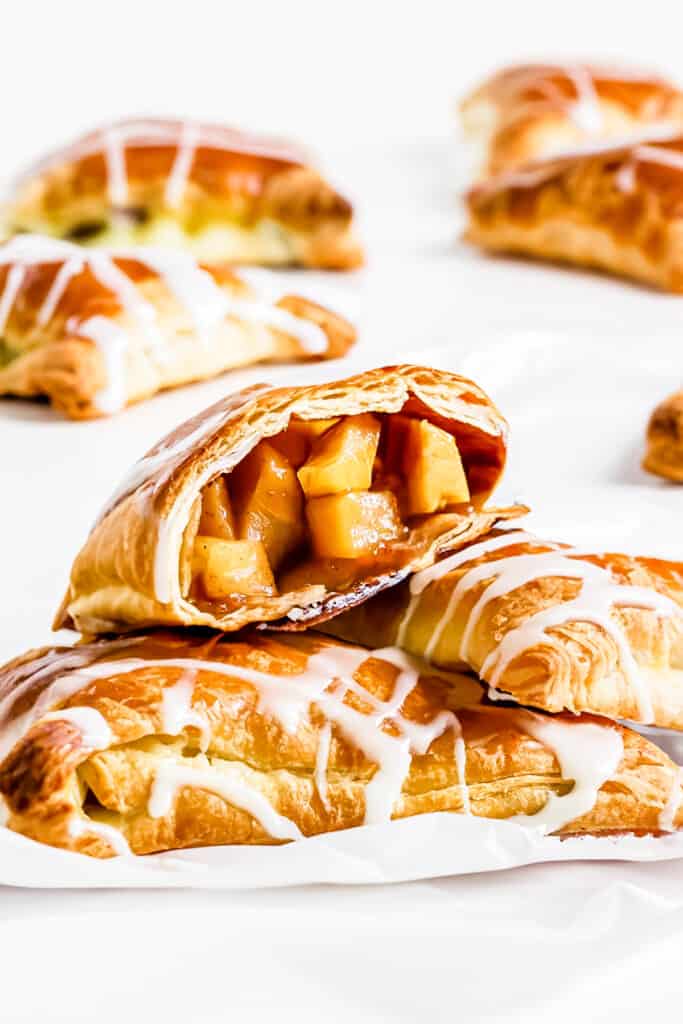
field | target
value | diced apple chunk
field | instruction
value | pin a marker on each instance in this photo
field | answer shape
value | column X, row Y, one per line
column 268, row 502
column 342, row 459
column 227, row 567
column 354, row 524
column 433, row 469
column 217, row 519
column 296, row 441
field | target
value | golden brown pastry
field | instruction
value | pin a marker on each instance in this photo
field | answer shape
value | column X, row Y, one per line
column 534, row 111
column 95, row 331
column 664, row 452
column 180, row 739
column 544, row 624
column 292, row 502
column 616, row 209
column 222, row 194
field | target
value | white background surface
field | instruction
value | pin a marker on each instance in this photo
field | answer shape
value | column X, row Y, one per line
column 372, row 85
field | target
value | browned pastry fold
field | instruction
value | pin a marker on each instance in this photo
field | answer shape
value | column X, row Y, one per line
column 664, row 452
column 534, row 111
column 222, row 194
column 94, row 332
column 615, row 209
column 183, row 739
column 292, row 503
column 545, row 624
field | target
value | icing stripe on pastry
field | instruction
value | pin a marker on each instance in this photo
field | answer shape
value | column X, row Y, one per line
column 322, row 700
column 193, row 287
column 598, row 596
column 587, row 753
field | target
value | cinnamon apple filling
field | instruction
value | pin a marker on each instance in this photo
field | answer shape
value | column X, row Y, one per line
column 328, row 502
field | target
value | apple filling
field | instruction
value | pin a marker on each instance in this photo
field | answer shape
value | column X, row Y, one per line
column 326, row 501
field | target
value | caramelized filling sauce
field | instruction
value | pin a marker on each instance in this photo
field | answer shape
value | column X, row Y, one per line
column 325, row 502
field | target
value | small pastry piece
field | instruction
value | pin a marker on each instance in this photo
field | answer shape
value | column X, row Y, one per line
column 177, row 740
column 543, row 624
column 95, row 331
column 534, row 111
column 664, row 454
column 221, row 194
column 616, row 209
column 330, row 538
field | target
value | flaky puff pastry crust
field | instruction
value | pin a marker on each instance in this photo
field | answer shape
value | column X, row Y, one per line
column 223, row 194
column 664, row 451
column 552, row 627
column 96, row 332
column 132, row 570
column 535, row 111
column 614, row 209
column 280, row 738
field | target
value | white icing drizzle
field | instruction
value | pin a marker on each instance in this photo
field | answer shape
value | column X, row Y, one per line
column 71, row 268
column 182, row 165
column 585, row 111
column 177, row 712
column 95, row 731
column 185, row 136
column 598, row 597
column 196, row 291
column 80, row 826
column 588, row 754
column 115, row 158
column 626, row 175
column 112, row 342
column 328, row 676
column 321, row 758
column 667, row 815
column 171, row 777
column 69, row 675
column 13, row 282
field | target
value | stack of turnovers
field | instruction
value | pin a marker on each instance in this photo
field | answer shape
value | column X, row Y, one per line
column 221, row 194
column 94, row 330
column 582, row 166
column 360, row 508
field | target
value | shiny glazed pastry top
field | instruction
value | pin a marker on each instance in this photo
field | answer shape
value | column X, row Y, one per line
column 543, row 624
column 182, row 739
column 220, row 193
column 534, row 111
column 616, row 208
column 96, row 330
column 292, row 503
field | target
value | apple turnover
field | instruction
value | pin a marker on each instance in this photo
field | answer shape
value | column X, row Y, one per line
column 292, row 503
column 222, row 194
column 534, row 111
column 543, row 624
column 613, row 208
column 96, row 330
column 176, row 740
column 664, row 453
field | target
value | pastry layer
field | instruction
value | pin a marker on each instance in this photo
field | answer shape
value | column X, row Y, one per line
column 181, row 739
column 219, row 193
column 534, row 111
column 292, row 502
column 664, row 451
column 95, row 331
column 547, row 625
column 612, row 208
